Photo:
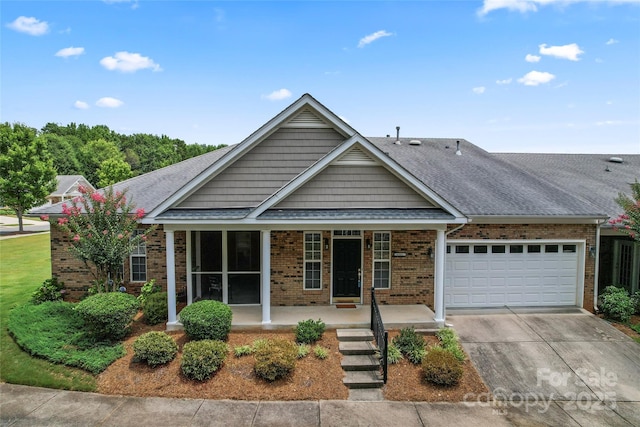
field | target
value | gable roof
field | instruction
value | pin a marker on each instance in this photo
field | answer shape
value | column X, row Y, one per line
column 592, row 177
column 67, row 182
column 481, row 184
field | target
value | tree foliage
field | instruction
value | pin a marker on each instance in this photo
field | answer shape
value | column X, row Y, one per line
column 629, row 221
column 112, row 171
column 102, row 228
column 27, row 174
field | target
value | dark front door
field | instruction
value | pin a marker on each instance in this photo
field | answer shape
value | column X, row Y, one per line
column 346, row 267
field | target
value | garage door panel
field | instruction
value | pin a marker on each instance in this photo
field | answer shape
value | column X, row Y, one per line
column 517, row 279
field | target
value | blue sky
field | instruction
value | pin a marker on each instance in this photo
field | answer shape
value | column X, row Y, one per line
column 508, row 75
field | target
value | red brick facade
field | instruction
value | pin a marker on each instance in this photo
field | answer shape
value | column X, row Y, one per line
column 412, row 273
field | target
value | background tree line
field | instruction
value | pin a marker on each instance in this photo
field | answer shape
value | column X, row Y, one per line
column 30, row 159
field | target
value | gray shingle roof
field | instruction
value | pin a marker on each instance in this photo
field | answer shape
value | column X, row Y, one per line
column 151, row 189
column 65, row 182
column 204, row 214
column 590, row 176
column 479, row 183
column 356, row 214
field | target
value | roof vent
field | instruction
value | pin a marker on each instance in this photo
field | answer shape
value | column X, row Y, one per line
column 458, row 152
column 415, row 142
column 615, row 159
column 397, row 136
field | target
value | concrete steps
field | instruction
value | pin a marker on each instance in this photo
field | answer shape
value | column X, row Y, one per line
column 361, row 366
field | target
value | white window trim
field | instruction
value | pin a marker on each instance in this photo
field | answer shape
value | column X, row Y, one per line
column 374, row 259
column 137, row 255
column 304, row 262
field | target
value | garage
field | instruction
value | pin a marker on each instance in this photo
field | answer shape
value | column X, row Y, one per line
column 512, row 273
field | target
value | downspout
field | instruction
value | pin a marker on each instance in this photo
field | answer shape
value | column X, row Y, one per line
column 596, row 270
column 457, row 228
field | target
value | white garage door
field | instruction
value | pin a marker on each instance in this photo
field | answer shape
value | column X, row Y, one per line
column 511, row 274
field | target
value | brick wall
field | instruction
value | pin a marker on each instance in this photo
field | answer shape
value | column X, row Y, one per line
column 538, row 232
column 77, row 277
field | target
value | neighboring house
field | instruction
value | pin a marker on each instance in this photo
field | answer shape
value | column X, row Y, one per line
column 306, row 211
column 597, row 178
column 67, row 188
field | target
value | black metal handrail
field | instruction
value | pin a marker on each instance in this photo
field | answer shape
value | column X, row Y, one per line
column 379, row 334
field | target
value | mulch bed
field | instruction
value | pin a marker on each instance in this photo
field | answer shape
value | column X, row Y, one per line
column 312, row 379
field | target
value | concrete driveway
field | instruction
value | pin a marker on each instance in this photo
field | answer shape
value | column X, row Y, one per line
column 559, row 366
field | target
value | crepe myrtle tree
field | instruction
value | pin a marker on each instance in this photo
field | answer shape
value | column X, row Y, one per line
column 629, row 222
column 101, row 225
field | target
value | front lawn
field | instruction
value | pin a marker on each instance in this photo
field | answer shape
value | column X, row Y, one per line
column 25, row 262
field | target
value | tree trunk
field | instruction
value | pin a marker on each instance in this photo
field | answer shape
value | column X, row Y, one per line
column 19, row 215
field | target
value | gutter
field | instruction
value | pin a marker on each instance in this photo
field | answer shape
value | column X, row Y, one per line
column 596, row 271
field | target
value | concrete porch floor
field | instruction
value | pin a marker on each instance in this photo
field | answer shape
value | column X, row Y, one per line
column 393, row 316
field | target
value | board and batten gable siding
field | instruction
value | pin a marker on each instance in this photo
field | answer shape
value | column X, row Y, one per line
column 265, row 169
column 352, row 186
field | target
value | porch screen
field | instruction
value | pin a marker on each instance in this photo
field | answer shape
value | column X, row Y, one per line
column 312, row 260
column 381, row 260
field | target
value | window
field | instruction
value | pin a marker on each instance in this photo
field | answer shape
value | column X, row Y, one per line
column 480, row 249
column 516, row 249
column 462, row 249
column 533, row 249
column 346, row 232
column 312, row 260
column 568, row 249
column 551, row 248
column 382, row 260
column 138, row 260
column 498, row 249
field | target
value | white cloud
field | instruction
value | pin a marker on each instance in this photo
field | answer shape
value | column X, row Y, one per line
column 611, row 41
column 134, row 3
column 568, row 51
column 524, row 6
column 108, row 102
column 70, row 51
column 29, row 25
column 535, row 78
column 505, row 81
column 278, row 95
column 129, row 62
column 610, row 123
column 479, row 90
column 532, row 58
column 81, row 105
column 373, row 37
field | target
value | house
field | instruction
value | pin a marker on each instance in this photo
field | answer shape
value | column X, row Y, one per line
column 306, row 211
column 67, row 188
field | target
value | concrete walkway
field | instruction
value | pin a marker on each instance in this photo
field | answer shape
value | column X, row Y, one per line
column 9, row 226
column 567, row 360
column 33, row 406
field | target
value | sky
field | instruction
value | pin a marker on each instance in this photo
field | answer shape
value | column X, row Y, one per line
column 507, row 75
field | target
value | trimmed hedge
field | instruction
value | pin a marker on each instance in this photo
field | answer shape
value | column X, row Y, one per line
column 206, row 320
column 617, row 304
column 441, row 367
column 309, row 331
column 155, row 308
column 275, row 358
column 156, row 348
column 200, row 359
column 108, row 315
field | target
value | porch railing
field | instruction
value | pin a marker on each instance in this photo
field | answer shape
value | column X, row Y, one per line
column 379, row 334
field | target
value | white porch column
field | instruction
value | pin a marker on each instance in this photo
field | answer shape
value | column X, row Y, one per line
column 266, row 277
column 171, row 278
column 438, row 295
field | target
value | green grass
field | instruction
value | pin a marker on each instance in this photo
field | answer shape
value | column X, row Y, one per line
column 25, row 262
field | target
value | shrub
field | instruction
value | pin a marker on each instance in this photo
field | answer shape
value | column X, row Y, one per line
column 155, row 308
column 200, row 359
column 616, row 304
column 321, row 352
column 636, row 327
column 393, row 354
column 309, row 331
column 411, row 344
column 449, row 341
column 156, row 348
column 635, row 298
column 108, row 315
column 242, row 350
column 50, row 290
column 54, row 331
column 441, row 367
column 275, row 359
column 206, row 320
column 303, row 350
column 148, row 289
column 258, row 344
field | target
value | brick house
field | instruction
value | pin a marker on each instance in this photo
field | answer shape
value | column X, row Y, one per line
column 306, row 211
